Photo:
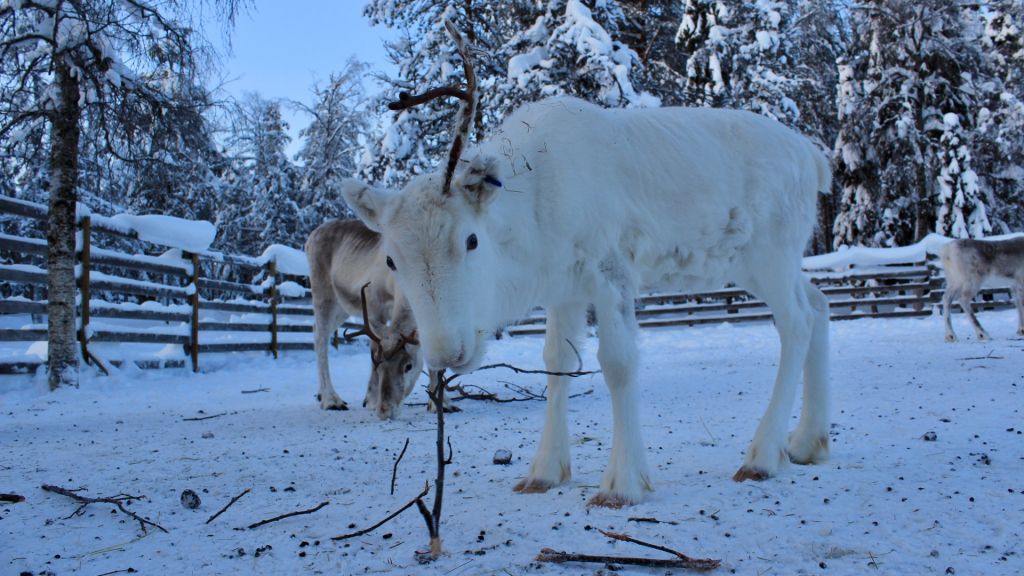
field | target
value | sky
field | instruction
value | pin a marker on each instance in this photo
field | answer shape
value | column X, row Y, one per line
column 280, row 49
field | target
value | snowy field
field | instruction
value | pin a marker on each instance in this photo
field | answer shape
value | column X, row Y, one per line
column 889, row 502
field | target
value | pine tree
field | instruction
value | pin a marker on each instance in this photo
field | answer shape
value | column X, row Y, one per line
column 1000, row 150
column 416, row 138
column 918, row 67
column 270, row 214
column 330, row 143
column 573, row 49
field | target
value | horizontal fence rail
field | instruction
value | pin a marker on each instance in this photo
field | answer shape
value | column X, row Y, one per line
column 165, row 300
column 174, row 300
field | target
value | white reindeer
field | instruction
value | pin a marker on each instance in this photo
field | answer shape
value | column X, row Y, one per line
column 568, row 204
column 346, row 269
column 968, row 264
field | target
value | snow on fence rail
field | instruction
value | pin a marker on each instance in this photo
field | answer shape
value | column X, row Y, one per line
column 182, row 307
column 199, row 314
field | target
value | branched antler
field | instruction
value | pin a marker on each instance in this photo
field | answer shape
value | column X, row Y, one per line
column 365, row 330
column 466, row 112
column 380, row 354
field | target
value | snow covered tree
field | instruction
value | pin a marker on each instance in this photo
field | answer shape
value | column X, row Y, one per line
column 416, row 138
column 739, row 55
column 176, row 168
column 572, row 49
column 330, row 144
column 109, row 59
column 271, row 214
column 918, row 67
column 1000, row 139
column 819, row 37
column 649, row 28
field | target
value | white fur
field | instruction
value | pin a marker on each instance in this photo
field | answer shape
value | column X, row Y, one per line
column 594, row 206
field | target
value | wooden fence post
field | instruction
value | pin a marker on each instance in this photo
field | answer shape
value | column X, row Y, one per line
column 83, row 289
column 272, row 272
column 194, row 348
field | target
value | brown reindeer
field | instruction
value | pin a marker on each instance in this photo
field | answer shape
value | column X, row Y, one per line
column 968, row 264
column 348, row 274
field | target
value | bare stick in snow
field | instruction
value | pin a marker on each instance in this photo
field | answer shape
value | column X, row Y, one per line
column 229, row 504
column 394, row 470
column 680, row 561
column 418, row 500
column 199, row 418
column 288, row 515
column 12, row 498
column 119, row 501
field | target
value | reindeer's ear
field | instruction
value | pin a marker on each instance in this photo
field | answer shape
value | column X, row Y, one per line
column 479, row 181
column 366, row 201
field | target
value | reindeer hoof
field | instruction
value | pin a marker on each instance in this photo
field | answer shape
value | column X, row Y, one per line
column 813, row 452
column 750, row 473
column 452, row 408
column 950, row 338
column 528, row 486
column 613, row 501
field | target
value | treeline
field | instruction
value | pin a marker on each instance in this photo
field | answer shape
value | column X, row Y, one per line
column 918, row 101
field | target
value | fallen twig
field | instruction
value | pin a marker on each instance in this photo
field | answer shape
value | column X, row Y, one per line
column 652, row 521
column 13, row 498
column 989, row 356
column 128, row 570
column 118, row 500
column 680, row 561
column 229, row 504
column 288, row 515
column 197, row 419
column 256, row 390
column 414, row 501
column 394, row 469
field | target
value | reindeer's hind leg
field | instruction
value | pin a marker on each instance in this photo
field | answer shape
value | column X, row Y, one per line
column 808, row 444
column 966, row 295
column 551, row 464
column 1018, row 299
column 947, row 305
column 327, row 317
column 795, row 321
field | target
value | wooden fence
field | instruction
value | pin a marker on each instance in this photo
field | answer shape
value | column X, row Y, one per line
column 179, row 297
column 891, row 291
column 184, row 304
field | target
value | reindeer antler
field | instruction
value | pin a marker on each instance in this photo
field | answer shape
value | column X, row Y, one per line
column 466, row 112
column 365, row 330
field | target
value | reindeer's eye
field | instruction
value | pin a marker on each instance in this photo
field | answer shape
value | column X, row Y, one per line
column 408, row 368
column 471, row 242
column 391, row 263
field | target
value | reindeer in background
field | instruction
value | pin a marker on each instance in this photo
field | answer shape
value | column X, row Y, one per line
column 968, row 264
column 569, row 205
column 347, row 275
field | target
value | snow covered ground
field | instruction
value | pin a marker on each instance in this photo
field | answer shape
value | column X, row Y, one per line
column 889, row 502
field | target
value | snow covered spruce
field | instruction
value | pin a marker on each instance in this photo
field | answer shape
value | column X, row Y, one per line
column 968, row 264
column 686, row 197
column 347, row 275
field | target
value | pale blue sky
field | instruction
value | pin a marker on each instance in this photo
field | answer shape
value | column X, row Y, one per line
column 281, row 48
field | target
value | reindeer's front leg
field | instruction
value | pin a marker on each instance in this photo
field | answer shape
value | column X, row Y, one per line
column 551, row 465
column 626, row 478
